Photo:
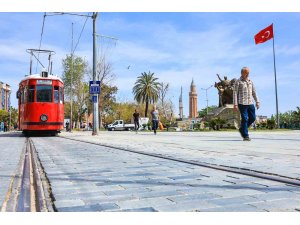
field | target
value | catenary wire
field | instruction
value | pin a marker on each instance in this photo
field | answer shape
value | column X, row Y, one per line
column 44, row 18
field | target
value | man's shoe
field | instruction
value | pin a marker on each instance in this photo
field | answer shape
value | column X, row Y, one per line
column 241, row 133
column 247, row 139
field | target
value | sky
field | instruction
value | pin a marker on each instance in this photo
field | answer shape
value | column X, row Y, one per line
column 176, row 46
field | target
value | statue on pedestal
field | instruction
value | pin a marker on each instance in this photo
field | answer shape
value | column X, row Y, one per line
column 225, row 89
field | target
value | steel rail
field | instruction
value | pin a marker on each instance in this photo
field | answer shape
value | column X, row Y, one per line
column 231, row 169
column 29, row 189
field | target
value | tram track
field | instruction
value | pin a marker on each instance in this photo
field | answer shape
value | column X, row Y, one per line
column 232, row 169
column 29, row 189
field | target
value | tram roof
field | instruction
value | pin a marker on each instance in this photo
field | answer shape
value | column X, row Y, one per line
column 38, row 76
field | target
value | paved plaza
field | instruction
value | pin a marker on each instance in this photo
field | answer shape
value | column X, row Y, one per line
column 274, row 152
column 10, row 153
column 87, row 177
column 105, row 179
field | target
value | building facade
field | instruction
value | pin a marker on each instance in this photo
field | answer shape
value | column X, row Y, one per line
column 5, row 95
column 193, row 101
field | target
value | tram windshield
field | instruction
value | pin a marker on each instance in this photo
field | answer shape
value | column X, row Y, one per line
column 43, row 93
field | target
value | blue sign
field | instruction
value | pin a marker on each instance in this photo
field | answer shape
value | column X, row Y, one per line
column 94, row 98
column 95, row 87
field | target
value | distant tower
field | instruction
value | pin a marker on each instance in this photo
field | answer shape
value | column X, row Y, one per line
column 193, row 101
column 180, row 105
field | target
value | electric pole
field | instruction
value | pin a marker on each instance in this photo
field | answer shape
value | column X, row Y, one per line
column 71, row 93
column 95, row 96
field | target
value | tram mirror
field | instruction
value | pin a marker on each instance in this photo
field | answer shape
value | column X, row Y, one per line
column 18, row 94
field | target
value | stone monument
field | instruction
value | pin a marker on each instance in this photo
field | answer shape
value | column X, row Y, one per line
column 225, row 110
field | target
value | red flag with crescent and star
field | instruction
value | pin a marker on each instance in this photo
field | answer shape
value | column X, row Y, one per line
column 264, row 35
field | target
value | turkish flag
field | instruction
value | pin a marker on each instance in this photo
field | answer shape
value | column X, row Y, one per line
column 264, row 35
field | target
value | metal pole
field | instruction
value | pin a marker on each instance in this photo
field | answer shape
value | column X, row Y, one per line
column 206, row 103
column 277, row 114
column 206, row 89
column 9, row 118
column 87, row 116
column 71, row 93
column 95, row 104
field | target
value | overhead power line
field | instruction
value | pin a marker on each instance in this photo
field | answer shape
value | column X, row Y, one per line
column 44, row 18
column 80, row 34
column 61, row 14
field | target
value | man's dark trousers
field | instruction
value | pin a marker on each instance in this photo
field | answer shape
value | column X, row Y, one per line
column 248, row 117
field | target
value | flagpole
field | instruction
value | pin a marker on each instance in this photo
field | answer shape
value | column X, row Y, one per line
column 277, row 114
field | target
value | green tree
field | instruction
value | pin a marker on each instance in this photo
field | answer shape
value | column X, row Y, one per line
column 7, row 116
column 74, row 71
column 107, row 101
column 286, row 119
column 203, row 112
column 4, row 115
column 296, row 114
column 104, row 74
column 271, row 123
column 14, row 116
column 146, row 89
column 217, row 123
column 124, row 111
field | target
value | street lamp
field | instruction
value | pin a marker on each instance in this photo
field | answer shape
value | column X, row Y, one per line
column 206, row 89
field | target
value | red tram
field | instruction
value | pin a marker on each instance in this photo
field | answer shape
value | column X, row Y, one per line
column 41, row 104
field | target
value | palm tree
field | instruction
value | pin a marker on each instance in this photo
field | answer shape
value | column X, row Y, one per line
column 146, row 89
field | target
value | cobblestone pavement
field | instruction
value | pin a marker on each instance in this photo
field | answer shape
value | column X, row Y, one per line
column 87, row 177
column 11, row 145
column 274, row 152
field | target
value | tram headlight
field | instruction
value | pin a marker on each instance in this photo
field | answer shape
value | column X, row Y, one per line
column 44, row 117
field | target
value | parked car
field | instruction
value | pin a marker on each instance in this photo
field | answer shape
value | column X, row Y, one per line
column 120, row 125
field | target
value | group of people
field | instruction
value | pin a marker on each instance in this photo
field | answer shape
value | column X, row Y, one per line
column 243, row 94
column 155, row 119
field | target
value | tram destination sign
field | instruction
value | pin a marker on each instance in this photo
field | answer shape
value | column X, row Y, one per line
column 94, row 87
column 44, row 82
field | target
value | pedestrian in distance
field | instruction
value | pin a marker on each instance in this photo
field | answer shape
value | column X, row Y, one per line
column 136, row 119
column 5, row 126
column 243, row 94
column 67, row 126
column 155, row 118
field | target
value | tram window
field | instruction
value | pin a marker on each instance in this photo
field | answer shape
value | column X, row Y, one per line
column 22, row 96
column 43, row 93
column 31, row 94
column 61, row 98
column 25, row 94
column 56, row 94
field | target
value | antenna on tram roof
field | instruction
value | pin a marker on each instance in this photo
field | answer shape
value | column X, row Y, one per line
column 32, row 53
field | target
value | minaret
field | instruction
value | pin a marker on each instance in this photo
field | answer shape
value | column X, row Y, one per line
column 180, row 105
column 193, row 101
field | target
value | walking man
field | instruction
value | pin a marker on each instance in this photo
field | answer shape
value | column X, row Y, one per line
column 136, row 119
column 242, row 98
column 155, row 118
